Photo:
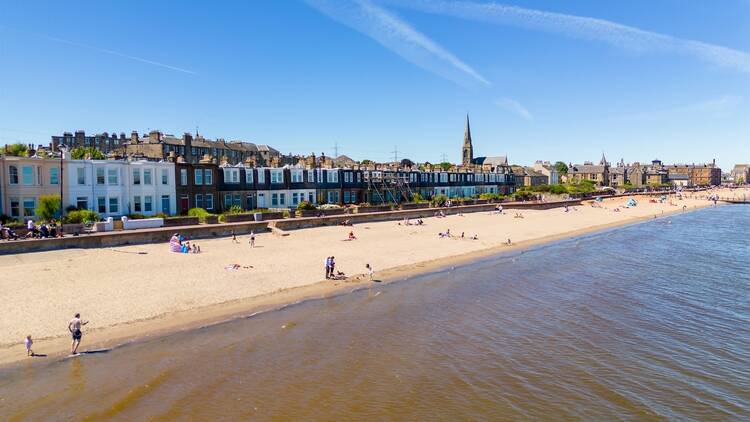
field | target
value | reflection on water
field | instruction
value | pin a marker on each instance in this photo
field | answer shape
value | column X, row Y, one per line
column 646, row 322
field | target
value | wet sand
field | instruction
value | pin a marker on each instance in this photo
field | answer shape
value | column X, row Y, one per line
column 144, row 290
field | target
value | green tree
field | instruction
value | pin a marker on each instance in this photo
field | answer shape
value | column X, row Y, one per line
column 17, row 150
column 445, row 165
column 561, row 167
column 366, row 162
column 48, row 207
column 87, row 153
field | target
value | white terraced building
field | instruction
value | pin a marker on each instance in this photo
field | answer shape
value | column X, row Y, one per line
column 115, row 188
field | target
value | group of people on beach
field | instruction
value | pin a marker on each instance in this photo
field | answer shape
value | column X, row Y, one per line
column 181, row 244
column 330, row 264
column 74, row 327
column 42, row 231
column 407, row 222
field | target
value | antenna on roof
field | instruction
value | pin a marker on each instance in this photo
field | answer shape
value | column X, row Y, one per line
column 196, row 131
column 395, row 154
column 336, row 149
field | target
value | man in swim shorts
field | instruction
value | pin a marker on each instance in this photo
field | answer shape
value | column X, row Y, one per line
column 74, row 326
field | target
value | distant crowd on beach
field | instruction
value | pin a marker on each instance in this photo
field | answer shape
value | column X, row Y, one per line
column 33, row 231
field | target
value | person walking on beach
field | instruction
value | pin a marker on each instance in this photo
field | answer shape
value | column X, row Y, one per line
column 252, row 238
column 74, row 326
column 333, row 267
column 29, row 342
column 328, row 267
column 370, row 271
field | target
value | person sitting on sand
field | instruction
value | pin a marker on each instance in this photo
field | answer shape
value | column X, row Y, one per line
column 518, row 215
column 29, row 342
column 174, row 243
column 351, row 236
column 475, row 237
column 185, row 247
column 508, row 242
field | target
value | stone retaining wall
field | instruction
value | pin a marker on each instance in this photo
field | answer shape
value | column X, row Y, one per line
column 163, row 234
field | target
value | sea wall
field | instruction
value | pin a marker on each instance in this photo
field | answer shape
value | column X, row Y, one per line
column 163, row 234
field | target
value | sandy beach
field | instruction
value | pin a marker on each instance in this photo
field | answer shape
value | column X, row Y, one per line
column 131, row 291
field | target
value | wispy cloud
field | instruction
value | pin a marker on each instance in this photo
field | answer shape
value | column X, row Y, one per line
column 514, row 107
column 102, row 50
column 719, row 107
column 400, row 37
column 587, row 28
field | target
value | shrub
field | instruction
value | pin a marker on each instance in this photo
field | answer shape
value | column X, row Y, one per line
column 198, row 212
column 81, row 216
column 136, row 216
column 49, row 206
column 234, row 209
column 161, row 215
column 439, row 200
column 305, row 205
column 491, row 196
column 17, row 150
column 417, row 198
column 329, row 206
column 522, row 195
column 88, row 153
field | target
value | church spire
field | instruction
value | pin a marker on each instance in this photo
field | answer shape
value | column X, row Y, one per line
column 467, row 132
column 603, row 161
column 467, row 151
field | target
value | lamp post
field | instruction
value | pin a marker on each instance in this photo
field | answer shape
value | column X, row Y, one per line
column 62, row 149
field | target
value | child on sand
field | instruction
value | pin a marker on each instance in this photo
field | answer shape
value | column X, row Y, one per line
column 370, row 271
column 29, row 342
column 252, row 238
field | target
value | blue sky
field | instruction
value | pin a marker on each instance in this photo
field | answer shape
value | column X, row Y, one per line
column 636, row 79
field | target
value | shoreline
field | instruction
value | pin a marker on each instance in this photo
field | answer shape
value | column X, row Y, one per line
column 167, row 323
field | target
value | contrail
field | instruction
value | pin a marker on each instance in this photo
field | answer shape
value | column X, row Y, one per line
column 581, row 27
column 398, row 36
column 103, row 50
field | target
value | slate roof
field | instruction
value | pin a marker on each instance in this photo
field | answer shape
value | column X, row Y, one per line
column 500, row 160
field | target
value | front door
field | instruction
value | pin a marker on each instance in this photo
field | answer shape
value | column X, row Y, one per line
column 165, row 204
column 184, row 203
column 261, row 200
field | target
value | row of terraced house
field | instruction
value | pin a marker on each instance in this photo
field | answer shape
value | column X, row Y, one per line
column 122, row 187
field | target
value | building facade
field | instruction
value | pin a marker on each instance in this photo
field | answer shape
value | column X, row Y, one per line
column 23, row 180
column 598, row 174
column 196, row 186
column 115, row 188
column 740, row 174
column 548, row 169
